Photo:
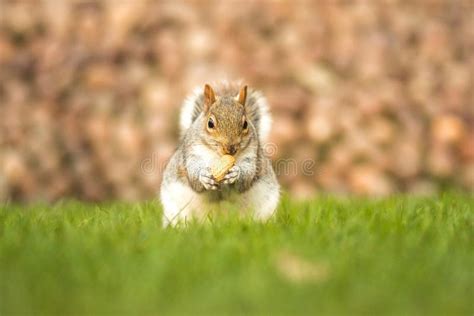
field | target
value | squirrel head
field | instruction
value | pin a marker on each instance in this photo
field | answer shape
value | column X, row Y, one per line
column 226, row 124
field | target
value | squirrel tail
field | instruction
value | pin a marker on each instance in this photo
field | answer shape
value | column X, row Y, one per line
column 256, row 106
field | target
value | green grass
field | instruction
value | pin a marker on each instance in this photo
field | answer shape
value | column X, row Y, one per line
column 394, row 256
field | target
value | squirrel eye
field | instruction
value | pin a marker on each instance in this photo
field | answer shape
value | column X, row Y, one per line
column 245, row 125
column 210, row 123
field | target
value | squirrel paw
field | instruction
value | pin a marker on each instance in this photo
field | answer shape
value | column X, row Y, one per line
column 207, row 180
column 232, row 175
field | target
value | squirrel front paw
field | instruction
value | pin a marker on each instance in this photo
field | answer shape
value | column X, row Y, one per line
column 207, row 180
column 232, row 175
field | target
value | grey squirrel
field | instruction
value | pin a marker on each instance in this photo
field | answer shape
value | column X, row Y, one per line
column 226, row 119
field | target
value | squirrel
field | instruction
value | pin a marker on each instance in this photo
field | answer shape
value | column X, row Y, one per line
column 225, row 120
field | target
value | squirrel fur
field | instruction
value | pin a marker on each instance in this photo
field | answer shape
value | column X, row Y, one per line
column 219, row 120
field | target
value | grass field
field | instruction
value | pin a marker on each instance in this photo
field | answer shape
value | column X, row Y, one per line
column 394, row 256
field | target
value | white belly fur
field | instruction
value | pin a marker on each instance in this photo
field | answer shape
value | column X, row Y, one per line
column 181, row 203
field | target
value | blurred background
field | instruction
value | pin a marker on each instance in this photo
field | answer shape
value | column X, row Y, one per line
column 378, row 94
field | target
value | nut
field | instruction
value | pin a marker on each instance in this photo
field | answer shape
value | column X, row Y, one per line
column 221, row 167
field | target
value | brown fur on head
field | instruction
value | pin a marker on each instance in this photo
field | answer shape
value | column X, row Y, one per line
column 225, row 121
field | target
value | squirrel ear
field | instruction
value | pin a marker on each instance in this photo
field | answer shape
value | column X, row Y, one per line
column 209, row 97
column 242, row 95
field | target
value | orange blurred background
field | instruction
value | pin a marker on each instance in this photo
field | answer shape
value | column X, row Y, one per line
column 378, row 94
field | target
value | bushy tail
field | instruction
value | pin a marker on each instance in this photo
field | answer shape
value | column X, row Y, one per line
column 256, row 106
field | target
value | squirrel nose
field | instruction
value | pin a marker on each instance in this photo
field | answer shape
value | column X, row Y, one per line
column 231, row 149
